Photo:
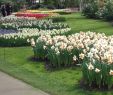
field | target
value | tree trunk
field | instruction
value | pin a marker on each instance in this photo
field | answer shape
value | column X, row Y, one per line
column 101, row 3
column 81, row 5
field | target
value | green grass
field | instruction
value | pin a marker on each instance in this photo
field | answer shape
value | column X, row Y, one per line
column 59, row 82
column 79, row 23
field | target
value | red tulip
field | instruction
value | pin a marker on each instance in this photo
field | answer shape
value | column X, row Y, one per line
column 32, row 15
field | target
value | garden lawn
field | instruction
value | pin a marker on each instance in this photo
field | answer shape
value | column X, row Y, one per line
column 80, row 23
column 15, row 61
column 58, row 82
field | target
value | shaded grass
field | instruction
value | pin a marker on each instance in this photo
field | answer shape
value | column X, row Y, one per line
column 60, row 82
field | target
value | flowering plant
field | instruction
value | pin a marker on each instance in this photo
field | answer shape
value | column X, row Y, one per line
column 24, row 28
column 36, row 15
column 12, row 22
column 19, row 37
column 97, row 65
column 61, row 50
column 93, row 51
column 49, row 11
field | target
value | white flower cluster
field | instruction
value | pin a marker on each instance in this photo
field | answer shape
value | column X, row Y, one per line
column 101, row 49
column 93, row 51
column 26, row 27
column 13, row 18
column 79, row 41
column 97, row 65
column 25, row 22
column 72, row 44
column 101, row 52
column 94, row 46
column 33, row 32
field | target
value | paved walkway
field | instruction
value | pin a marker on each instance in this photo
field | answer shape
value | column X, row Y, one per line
column 12, row 86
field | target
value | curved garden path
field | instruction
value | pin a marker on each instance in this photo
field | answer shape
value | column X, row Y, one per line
column 12, row 86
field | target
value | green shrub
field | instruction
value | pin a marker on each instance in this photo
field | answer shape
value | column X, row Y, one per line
column 90, row 10
column 13, row 42
column 63, row 13
column 108, row 11
column 99, row 13
column 58, row 19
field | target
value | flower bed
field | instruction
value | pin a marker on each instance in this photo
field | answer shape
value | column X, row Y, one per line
column 20, row 38
column 12, row 22
column 39, row 16
column 59, row 11
column 93, row 51
column 25, row 27
column 98, row 63
column 60, row 50
column 36, row 13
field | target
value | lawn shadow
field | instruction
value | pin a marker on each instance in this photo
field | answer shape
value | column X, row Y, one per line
column 36, row 59
column 81, row 89
column 52, row 68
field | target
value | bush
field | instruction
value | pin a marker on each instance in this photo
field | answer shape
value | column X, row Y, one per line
column 108, row 11
column 90, row 10
column 58, row 19
column 12, row 42
column 35, row 6
column 99, row 13
column 63, row 13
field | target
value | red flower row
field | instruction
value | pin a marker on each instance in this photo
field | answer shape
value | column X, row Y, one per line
column 31, row 15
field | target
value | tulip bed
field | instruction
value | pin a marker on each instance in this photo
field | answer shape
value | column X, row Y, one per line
column 38, row 16
column 53, row 12
column 22, row 28
column 93, row 51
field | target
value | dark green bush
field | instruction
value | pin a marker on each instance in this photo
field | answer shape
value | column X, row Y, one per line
column 90, row 10
column 58, row 19
column 64, row 13
column 108, row 11
column 13, row 43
